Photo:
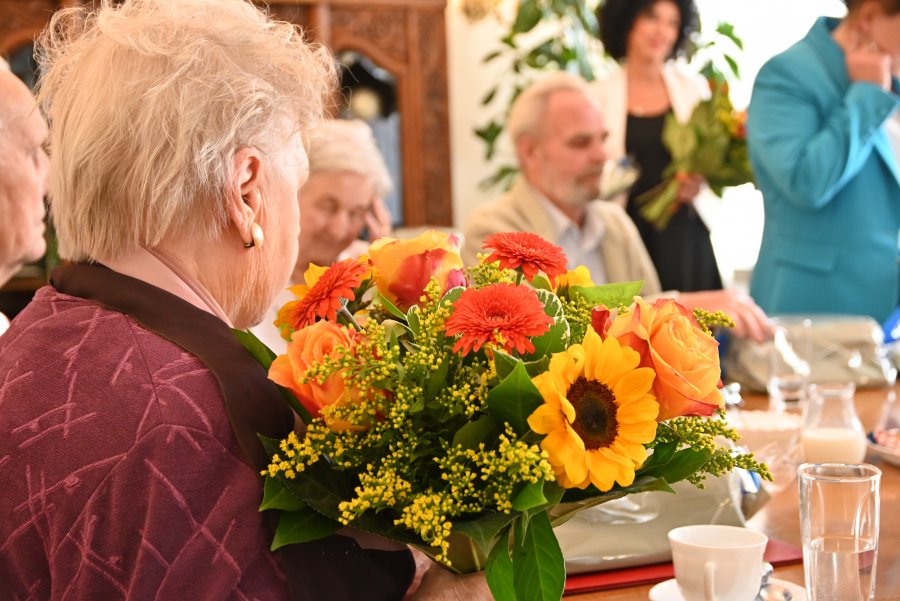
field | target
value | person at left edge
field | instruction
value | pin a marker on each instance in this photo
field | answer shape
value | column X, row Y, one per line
column 129, row 413
column 23, row 178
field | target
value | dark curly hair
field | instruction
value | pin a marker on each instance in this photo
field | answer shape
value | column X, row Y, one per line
column 617, row 18
column 891, row 7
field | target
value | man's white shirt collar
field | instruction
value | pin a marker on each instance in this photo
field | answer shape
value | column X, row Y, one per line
column 581, row 244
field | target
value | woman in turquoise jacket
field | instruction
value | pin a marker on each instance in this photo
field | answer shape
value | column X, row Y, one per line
column 820, row 136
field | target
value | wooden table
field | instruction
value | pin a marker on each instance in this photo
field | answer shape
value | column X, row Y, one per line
column 780, row 518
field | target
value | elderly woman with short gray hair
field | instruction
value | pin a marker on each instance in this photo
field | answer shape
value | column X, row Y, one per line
column 128, row 410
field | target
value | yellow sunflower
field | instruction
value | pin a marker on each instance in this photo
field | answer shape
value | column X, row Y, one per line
column 580, row 276
column 598, row 412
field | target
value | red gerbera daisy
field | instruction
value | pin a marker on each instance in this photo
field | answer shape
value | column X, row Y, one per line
column 528, row 252
column 503, row 314
column 323, row 298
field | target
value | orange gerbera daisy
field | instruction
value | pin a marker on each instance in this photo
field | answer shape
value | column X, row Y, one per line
column 528, row 252
column 502, row 314
column 321, row 296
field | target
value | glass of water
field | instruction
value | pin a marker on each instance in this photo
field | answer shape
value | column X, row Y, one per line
column 839, row 516
column 789, row 365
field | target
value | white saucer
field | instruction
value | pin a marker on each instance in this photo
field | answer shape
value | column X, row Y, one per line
column 888, row 454
column 668, row 590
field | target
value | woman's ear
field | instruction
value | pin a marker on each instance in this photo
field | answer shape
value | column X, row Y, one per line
column 244, row 198
column 867, row 12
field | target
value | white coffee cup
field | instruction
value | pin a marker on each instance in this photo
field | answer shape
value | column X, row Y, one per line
column 717, row 563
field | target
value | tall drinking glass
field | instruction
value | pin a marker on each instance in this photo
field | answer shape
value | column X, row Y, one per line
column 789, row 364
column 839, row 509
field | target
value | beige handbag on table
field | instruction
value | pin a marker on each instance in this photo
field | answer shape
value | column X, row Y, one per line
column 834, row 348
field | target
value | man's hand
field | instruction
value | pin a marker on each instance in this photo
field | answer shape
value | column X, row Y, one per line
column 439, row 584
column 750, row 321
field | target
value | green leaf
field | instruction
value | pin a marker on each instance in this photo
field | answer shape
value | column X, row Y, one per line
column 390, row 307
column 277, row 496
column 539, row 572
column 505, row 363
column 732, row 64
column 531, row 496
column 489, row 132
column 412, row 318
column 269, row 444
column 437, row 379
column 661, row 455
column 301, row 527
column 503, row 177
column 655, row 205
column 514, row 399
column 484, row 529
column 499, row 572
column 452, row 295
column 682, row 464
column 323, row 488
column 528, row 17
column 680, row 139
column 475, row 432
column 710, row 157
column 556, row 338
column 491, row 56
column 727, row 30
column 395, row 330
column 609, row 295
column 540, row 282
column 487, row 98
column 263, row 354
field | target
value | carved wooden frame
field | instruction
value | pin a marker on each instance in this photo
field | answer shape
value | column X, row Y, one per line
column 406, row 37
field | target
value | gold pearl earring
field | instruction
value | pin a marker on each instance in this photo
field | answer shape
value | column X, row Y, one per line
column 258, row 237
column 257, row 234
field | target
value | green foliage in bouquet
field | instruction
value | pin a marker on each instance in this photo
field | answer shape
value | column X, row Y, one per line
column 712, row 143
column 466, row 416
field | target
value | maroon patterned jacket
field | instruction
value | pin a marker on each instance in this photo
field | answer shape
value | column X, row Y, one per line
column 128, row 458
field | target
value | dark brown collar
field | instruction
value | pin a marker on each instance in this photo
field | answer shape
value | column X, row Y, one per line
column 252, row 401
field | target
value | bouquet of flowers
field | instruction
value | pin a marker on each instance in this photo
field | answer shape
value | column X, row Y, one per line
column 467, row 413
column 713, row 143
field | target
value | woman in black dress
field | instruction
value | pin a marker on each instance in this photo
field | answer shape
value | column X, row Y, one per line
column 644, row 36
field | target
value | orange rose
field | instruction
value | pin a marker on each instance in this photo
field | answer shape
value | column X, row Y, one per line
column 310, row 346
column 685, row 358
column 404, row 267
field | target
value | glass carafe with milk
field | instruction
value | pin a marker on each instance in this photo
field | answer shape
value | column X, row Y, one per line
column 832, row 432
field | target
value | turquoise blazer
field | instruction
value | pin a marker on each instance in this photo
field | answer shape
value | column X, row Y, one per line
column 829, row 178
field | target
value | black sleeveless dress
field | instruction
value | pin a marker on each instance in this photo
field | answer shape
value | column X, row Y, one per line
column 682, row 253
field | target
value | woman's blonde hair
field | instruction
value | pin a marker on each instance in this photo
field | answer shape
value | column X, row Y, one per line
column 348, row 145
column 149, row 100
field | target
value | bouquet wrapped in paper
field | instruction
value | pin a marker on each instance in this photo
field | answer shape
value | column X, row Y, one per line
column 712, row 143
column 466, row 413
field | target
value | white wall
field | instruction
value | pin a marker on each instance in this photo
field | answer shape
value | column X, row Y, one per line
column 766, row 26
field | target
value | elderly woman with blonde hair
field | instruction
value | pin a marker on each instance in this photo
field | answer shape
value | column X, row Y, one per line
column 128, row 411
column 347, row 182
